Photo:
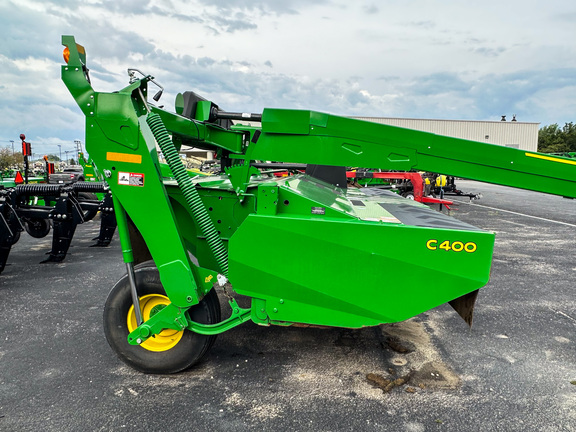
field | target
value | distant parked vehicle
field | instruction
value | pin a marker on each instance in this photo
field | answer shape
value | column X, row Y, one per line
column 70, row 174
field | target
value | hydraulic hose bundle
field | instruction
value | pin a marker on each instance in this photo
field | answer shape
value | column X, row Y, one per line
column 189, row 191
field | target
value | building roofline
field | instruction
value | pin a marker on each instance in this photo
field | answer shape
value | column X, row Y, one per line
column 443, row 120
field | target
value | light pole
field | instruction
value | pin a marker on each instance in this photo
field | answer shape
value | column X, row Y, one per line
column 60, row 147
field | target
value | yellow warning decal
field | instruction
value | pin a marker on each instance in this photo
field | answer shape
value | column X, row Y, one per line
column 124, row 157
column 549, row 158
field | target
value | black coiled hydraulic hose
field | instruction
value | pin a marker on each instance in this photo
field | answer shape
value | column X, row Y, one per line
column 90, row 187
column 189, row 191
column 39, row 189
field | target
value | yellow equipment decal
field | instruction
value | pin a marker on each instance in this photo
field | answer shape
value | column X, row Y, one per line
column 552, row 159
column 456, row 246
column 124, row 157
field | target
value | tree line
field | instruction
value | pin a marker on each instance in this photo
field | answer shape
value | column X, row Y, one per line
column 8, row 159
column 14, row 160
column 556, row 139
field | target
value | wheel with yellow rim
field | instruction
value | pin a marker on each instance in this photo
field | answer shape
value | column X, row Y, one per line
column 170, row 351
column 150, row 305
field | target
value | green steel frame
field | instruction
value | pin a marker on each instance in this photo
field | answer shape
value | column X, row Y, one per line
column 285, row 242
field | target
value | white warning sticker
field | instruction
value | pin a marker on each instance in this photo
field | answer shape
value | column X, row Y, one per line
column 130, row 179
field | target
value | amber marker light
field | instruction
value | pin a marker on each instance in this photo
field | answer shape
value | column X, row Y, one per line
column 66, row 54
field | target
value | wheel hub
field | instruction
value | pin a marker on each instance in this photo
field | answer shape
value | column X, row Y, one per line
column 150, row 305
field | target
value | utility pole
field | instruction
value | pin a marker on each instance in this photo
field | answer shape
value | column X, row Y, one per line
column 60, row 147
column 78, row 145
column 12, row 141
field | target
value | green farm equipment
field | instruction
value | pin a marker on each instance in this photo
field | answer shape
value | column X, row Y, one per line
column 7, row 181
column 182, row 235
column 91, row 173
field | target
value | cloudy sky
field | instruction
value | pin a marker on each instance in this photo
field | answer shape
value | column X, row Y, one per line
column 390, row 58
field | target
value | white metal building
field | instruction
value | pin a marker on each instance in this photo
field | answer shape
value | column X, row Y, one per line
column 520, row 135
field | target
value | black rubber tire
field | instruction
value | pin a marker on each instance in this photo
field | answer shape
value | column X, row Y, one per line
column 189, row 350
column 37, row 228
column 88, row 215
column 15, row 238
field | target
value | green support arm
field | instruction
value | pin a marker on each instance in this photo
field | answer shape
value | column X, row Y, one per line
column 200, row 135
column 317, row 138
column 118, row 138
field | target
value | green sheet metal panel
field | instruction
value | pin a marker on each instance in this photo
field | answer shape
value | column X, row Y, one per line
column 352, row 272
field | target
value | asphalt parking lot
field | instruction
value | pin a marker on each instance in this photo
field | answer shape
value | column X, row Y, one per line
column 515, row 370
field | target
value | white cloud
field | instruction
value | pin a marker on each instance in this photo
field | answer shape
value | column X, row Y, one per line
column 408, row 59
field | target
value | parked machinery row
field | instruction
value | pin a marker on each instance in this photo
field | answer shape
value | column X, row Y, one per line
column 39, row 208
